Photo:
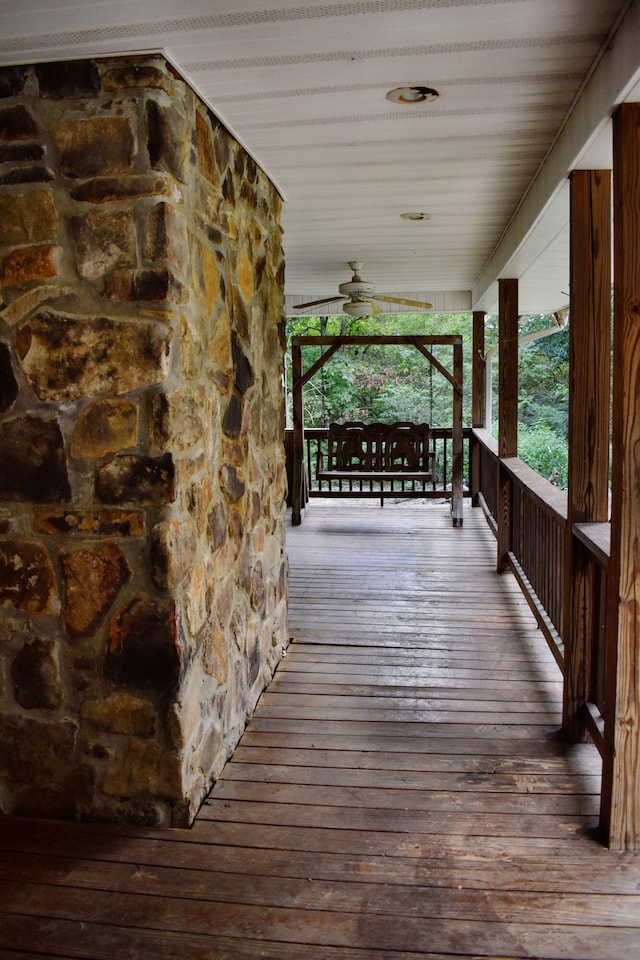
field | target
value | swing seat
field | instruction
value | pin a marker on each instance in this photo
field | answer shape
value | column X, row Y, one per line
column 377, row 452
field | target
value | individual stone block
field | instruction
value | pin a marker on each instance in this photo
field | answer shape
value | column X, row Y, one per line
column 20, row 152
column 221, row 142
column 103, row 241
column 143, row 75
column 12, row 80
column 147, row 770
column 215, row 653
column 191, row 350
column 36, row 677
column 105, row 426
column 143, row 649
column 8, row 383
column 232, row 420
column 65, row 358
column 168, row 139
column 131, row 187
column 218, row 527
column 27, row 578
column 25, row 303
column 130, row 478
column 28, row 264
column 17, row 123
column 165, row 236
column 209, row 280
column 231, row 482
column 195, row 599
column 34, row 750
column 177, row 419
column 155, row 284
column 32, row 461
column 99, row 146
column 92, row 579
column 207, row 166
column 244, row 276
column 121, row 713
column 173, row 550
column 257, row 593
column 107, row 522
column 242, row 368
column 35, row 173
column 68, row 80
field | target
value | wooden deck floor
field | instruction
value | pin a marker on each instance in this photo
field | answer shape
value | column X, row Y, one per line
column 401, row 792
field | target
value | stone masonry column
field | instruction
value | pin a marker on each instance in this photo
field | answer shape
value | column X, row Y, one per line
column 142, row 478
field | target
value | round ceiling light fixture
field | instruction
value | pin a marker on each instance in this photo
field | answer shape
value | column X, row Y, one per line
column 412, row 94
column 415, row 216
column 358, row 308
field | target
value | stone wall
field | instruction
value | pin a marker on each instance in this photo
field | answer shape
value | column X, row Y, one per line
column 142, row 476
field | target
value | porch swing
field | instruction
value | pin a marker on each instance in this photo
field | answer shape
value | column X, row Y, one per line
column 397, row 457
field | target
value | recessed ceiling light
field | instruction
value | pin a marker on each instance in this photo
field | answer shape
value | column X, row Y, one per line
column 412, row 94
column 416, row 216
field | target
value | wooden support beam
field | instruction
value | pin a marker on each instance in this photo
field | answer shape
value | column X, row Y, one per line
column 320, row 362
column 507, row 407
column 589, row 386
column 620, row 810
column 450, row 377
column 456, row 486
column 478, row 402
column 477, row 368
column 297, row 494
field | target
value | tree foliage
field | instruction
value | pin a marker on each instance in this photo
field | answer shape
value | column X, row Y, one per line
column 389, row 382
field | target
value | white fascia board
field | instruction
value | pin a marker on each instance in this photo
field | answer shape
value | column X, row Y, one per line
column 614, row 78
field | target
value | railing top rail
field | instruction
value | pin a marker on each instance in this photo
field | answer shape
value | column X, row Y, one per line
column 552, row 500
column 486, row 439
column 597, row 538
column 402, row 339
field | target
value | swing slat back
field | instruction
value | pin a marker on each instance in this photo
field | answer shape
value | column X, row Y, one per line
column 378, row 451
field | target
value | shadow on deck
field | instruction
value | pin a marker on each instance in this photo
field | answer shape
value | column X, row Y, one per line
column 402, row 790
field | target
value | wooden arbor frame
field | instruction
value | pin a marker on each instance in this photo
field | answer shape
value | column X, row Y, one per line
column 333, row 344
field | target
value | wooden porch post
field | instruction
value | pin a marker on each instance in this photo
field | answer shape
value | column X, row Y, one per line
column 507, row 407
column 478, row 411
column 457, row 498
column 620, row 810
column 298, row 435
column 589, row 384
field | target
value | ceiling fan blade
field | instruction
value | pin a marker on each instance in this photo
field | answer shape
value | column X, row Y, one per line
column 408, row 303
column 316, row 303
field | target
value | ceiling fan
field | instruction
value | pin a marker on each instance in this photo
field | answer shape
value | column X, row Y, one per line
column 359, row 296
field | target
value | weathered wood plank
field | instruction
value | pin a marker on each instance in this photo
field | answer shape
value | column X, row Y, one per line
column 352, row 839
column 393, row 782
column 383, row 931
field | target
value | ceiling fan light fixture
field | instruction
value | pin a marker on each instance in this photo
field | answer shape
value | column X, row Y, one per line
column 358, row 308
column 412, row 94
column 416, row 216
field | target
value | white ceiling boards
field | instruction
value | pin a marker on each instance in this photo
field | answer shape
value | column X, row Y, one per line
column 525, row 87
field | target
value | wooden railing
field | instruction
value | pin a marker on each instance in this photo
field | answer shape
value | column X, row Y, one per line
column 439, row 487
column 591, row 542
column 534, row 540
column 535, row 544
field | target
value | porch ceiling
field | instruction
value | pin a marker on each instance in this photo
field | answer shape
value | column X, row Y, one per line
column 526, row 91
